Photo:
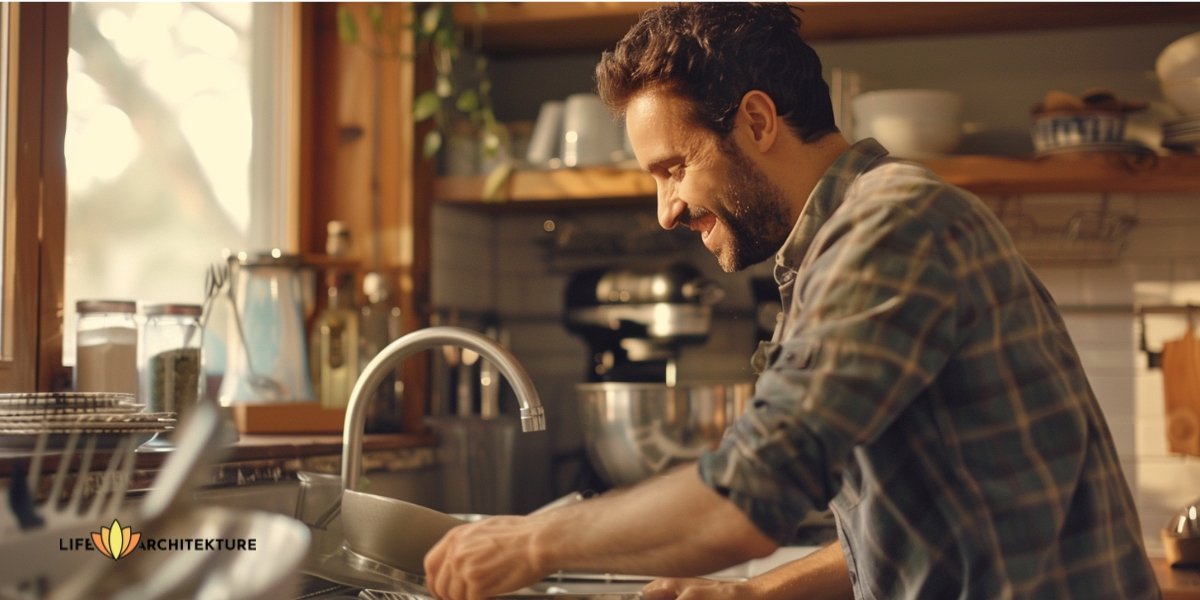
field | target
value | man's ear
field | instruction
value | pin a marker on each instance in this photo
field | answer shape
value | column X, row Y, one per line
column 757, row 112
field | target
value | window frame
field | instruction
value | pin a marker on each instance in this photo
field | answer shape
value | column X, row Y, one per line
column 35, row 197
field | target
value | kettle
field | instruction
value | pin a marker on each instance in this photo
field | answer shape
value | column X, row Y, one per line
column 267, row 362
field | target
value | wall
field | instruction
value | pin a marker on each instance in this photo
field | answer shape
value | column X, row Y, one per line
column 502, row 262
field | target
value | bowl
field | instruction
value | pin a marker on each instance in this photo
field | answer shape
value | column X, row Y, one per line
column 632, row 431
column 392, row 531
column 911, row 123
column 1183, row 94
column 1180, row 59
column 1058, row 130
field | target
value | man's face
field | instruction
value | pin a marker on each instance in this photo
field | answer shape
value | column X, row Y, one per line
column 706, row 183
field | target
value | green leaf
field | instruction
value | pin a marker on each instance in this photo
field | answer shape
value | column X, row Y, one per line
column 430, row 19
column 444, row 38
column 495, row 181
column 426, row 105
column 485, row 87
column 375, row 16
column 444, row 87
column 468, row 101
column 433, row 143
column 481, row 64
column 480, row 10
column 347, row 26
column 488, row 117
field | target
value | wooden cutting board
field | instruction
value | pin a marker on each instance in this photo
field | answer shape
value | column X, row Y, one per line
column 1181, row 383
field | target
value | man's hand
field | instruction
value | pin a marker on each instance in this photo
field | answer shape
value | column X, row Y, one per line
column 647, row 529
column 821, row 575
column 695, row 589
column 483, row 559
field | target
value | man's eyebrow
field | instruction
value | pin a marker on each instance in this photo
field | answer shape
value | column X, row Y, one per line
column 663, row 164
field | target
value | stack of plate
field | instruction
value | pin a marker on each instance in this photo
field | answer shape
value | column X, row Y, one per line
column 1182, row 134
column 25, row 416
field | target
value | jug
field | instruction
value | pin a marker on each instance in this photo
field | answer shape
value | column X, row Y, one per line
column 267, row 358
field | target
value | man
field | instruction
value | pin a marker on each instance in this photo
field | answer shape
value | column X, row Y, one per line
column 921, row 384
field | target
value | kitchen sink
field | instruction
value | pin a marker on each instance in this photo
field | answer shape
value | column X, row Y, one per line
column 344, row 574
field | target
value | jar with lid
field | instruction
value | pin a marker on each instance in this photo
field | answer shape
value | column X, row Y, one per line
column 106, row 346
column 173, row 371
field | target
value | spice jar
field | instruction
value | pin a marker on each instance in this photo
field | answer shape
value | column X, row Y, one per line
column 173, row 372
column 106, row 346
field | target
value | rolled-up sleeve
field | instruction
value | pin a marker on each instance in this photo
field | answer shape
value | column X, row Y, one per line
column 871, row 324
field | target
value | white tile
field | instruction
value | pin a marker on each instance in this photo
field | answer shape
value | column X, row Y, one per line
column 1064, row 283
column 1106, row 285
column 1100, row 330
column 1108, row 362
column 1148, row 390
column 1151, row 437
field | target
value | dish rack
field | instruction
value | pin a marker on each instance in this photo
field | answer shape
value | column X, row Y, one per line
column 1088, row 235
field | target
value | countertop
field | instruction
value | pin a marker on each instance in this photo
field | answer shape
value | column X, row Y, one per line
column 1177, row 584
column 255, row 457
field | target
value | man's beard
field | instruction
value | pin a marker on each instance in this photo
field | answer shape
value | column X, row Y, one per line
column 754, row 211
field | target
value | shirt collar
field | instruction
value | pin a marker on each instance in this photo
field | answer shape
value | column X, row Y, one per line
column 825, row 198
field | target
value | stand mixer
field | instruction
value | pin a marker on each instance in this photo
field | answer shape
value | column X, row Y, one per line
column 635, row 321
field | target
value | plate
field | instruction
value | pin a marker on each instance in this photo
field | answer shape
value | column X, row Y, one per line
column 93, row 398
column 67, row 402
column 1104, row 148
column 88, row 418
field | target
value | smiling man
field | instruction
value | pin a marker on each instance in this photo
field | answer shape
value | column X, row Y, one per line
column 921, row 384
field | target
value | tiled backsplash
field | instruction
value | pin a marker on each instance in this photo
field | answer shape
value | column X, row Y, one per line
column 503, row 264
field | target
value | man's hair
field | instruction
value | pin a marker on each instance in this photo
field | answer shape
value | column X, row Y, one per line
column 712, row 54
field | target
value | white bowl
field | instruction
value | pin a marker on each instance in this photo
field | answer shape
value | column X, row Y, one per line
column 1183, row 94
column 910, row 123
column 1180, row 59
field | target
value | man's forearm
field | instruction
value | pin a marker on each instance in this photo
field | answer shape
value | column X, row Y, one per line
column 672, row 525
column 822, row 575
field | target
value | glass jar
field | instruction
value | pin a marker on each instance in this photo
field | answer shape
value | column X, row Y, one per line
column 173, row 373
column 106, row 346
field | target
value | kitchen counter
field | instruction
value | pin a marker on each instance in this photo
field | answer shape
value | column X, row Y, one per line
column 1177, row 584
column 256, row 458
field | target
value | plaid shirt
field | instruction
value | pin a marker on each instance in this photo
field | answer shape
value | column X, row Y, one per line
column 923, row 385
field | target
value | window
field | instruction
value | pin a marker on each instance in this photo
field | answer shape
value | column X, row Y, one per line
column 178, row 146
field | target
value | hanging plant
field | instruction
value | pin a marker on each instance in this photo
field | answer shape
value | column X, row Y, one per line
column 437, row 34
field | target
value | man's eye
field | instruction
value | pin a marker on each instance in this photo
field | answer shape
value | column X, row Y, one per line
column 676, row 172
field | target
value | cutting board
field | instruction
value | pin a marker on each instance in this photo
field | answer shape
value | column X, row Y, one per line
column 1181, row 387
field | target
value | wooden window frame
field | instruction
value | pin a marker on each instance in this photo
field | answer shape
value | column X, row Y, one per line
column 35, row 195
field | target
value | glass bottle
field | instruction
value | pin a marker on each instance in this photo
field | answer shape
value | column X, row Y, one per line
column 173, row 373
column 106, row 346
column 380, row 324
column 336, row 331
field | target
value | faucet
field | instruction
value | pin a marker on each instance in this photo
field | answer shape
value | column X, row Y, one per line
column 533, row 416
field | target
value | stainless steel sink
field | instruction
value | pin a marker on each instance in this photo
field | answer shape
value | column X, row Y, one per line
column 329, row 561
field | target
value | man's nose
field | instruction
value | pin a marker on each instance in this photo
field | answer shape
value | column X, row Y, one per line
column 669, row 209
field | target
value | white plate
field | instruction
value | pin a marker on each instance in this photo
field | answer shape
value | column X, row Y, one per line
column 56, row 398
column 86, row 418
column 67, row 403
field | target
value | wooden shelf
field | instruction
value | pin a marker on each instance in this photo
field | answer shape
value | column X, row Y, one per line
column 515, row 28
column 987, row 175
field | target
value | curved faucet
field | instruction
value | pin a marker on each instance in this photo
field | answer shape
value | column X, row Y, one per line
column 533, row 417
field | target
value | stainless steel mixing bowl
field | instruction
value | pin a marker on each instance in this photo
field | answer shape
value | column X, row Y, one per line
column 634, row 430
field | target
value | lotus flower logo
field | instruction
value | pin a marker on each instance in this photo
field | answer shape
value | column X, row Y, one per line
column 115, row 541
